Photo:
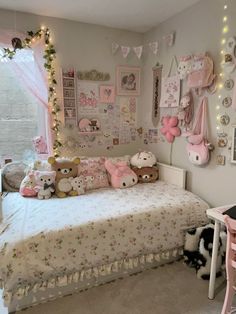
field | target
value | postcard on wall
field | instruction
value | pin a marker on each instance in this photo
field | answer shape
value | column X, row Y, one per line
column 128, row 110
column 88, row 97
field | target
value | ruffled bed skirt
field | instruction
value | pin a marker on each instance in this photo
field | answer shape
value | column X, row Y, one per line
column 92, row 274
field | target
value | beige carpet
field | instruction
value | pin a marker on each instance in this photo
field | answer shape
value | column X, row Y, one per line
column 171, row 289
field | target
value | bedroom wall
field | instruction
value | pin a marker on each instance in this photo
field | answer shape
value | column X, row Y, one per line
column 198, row 29
column 84, row 47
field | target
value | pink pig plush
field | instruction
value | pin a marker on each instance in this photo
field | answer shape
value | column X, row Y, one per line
column 170, row 128
column 121, row 175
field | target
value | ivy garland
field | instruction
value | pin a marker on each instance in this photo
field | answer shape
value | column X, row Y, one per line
column 49, row 56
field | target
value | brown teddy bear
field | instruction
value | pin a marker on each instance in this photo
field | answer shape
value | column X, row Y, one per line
column 65, row 169
column 146, row 174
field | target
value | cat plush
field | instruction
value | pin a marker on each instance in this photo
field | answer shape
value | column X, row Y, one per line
column 45, row 183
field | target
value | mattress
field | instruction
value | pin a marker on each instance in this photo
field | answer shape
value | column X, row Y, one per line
column 49, row 239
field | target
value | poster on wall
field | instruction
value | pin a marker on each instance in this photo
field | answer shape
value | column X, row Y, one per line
column 87, row 97
column 128, row 110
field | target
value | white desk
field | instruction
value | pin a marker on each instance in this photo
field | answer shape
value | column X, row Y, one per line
column 215, row 214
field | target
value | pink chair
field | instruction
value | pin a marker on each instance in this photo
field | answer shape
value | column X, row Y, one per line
column 230, row 264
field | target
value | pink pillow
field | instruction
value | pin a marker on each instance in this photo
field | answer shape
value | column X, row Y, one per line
column 94, row 172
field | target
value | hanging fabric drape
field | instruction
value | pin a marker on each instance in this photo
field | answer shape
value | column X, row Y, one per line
column 30, row 71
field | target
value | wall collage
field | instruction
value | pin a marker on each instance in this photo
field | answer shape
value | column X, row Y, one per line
column 92, row 109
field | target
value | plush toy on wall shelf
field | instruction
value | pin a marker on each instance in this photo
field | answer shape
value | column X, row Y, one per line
column 89, row 126
column 65, row 169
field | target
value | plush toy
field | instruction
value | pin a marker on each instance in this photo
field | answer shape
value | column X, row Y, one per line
column 198, row 250
column 146, row 174
column 65, row 169
column 78, row 184
column 45, row 183
column 170, row 128
column 143, row 159
column 40, row 145
column 121, row 175
column 185, row 110
column 184, row 67
column 27, row 187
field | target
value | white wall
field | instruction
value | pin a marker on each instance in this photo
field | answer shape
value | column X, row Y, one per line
column 198, row 29
column 84, row 47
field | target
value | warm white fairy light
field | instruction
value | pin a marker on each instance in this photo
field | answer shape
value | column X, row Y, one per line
column 225, row 30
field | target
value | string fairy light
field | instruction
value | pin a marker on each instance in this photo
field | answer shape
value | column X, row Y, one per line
column 49, row 57
column 225, row 30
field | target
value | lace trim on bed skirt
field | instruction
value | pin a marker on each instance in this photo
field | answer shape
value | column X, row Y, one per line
column 94, row 272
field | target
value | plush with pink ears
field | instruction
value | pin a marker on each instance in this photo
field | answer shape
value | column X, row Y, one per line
column 170, row 128
column 121, row 175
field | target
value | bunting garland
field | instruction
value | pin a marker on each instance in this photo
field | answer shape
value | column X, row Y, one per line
column 169, row 41
column 49, row 56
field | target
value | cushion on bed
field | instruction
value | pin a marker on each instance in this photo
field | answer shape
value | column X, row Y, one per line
column 94, row 173
column 12, row 175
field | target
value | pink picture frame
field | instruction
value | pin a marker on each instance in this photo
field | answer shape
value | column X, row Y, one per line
column 128, row 81
column 107, row 94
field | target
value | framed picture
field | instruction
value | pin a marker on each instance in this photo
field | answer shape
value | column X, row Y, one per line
column 107, row 94
column 128, row 81
column 233, row 147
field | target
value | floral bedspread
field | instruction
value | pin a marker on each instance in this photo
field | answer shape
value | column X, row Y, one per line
column 47, row 238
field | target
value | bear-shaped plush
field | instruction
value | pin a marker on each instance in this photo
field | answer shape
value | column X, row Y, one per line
column 45, row 183
column 65, row 169
column 78, row 184
column 146, row 174
column 143, row 159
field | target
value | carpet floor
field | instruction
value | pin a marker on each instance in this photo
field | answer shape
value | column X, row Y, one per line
column 171, row 289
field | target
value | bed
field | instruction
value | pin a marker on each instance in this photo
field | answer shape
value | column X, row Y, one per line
column 51, row 248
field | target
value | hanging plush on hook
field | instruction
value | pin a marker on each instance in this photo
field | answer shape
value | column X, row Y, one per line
column 185, row 110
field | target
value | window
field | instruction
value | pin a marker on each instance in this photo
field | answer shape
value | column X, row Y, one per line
column 19, row 111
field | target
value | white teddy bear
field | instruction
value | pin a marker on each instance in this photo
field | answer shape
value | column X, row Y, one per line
column 143, row 159
column 78, row 184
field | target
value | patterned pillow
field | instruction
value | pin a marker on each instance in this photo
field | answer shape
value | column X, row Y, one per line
column 94, row 173
column 12, row 175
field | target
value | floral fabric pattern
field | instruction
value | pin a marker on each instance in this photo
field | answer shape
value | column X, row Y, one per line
column 56, row 237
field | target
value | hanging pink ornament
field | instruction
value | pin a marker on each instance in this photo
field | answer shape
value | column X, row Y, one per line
column 170, row 128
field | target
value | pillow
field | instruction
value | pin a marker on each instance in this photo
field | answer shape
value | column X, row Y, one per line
column 94, row 172
column 12, row 175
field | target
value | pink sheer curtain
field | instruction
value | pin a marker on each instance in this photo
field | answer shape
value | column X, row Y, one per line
column 30, row 71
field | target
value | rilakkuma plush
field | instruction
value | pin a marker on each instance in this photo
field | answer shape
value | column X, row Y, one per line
column 198, row 250
column 45, row 183
column 65, row 169
column 40, row 145
column 143, row 159
column 78, row 184
column 146, row 174
column 27, row 187
column 121, row 175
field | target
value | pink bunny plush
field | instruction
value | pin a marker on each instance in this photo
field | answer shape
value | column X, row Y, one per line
column 170, row 128
column 121, row 175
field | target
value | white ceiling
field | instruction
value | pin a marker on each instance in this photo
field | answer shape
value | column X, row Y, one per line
column 133, row 15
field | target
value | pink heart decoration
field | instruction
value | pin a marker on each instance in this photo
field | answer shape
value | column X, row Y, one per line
column 170, row 128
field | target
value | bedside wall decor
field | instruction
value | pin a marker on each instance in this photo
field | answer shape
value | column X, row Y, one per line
column 93, row 75
column 128, row 81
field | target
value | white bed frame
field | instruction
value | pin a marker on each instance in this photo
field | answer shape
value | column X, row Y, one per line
column 167, row 173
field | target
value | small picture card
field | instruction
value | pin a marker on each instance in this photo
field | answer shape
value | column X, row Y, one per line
column 220, row 160
column 107, row 94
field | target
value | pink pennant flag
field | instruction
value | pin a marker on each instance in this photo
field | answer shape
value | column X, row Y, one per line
column 138, row 51
column 169, row 39
column 154, row 47
column 114, row 48
column 125, row 51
